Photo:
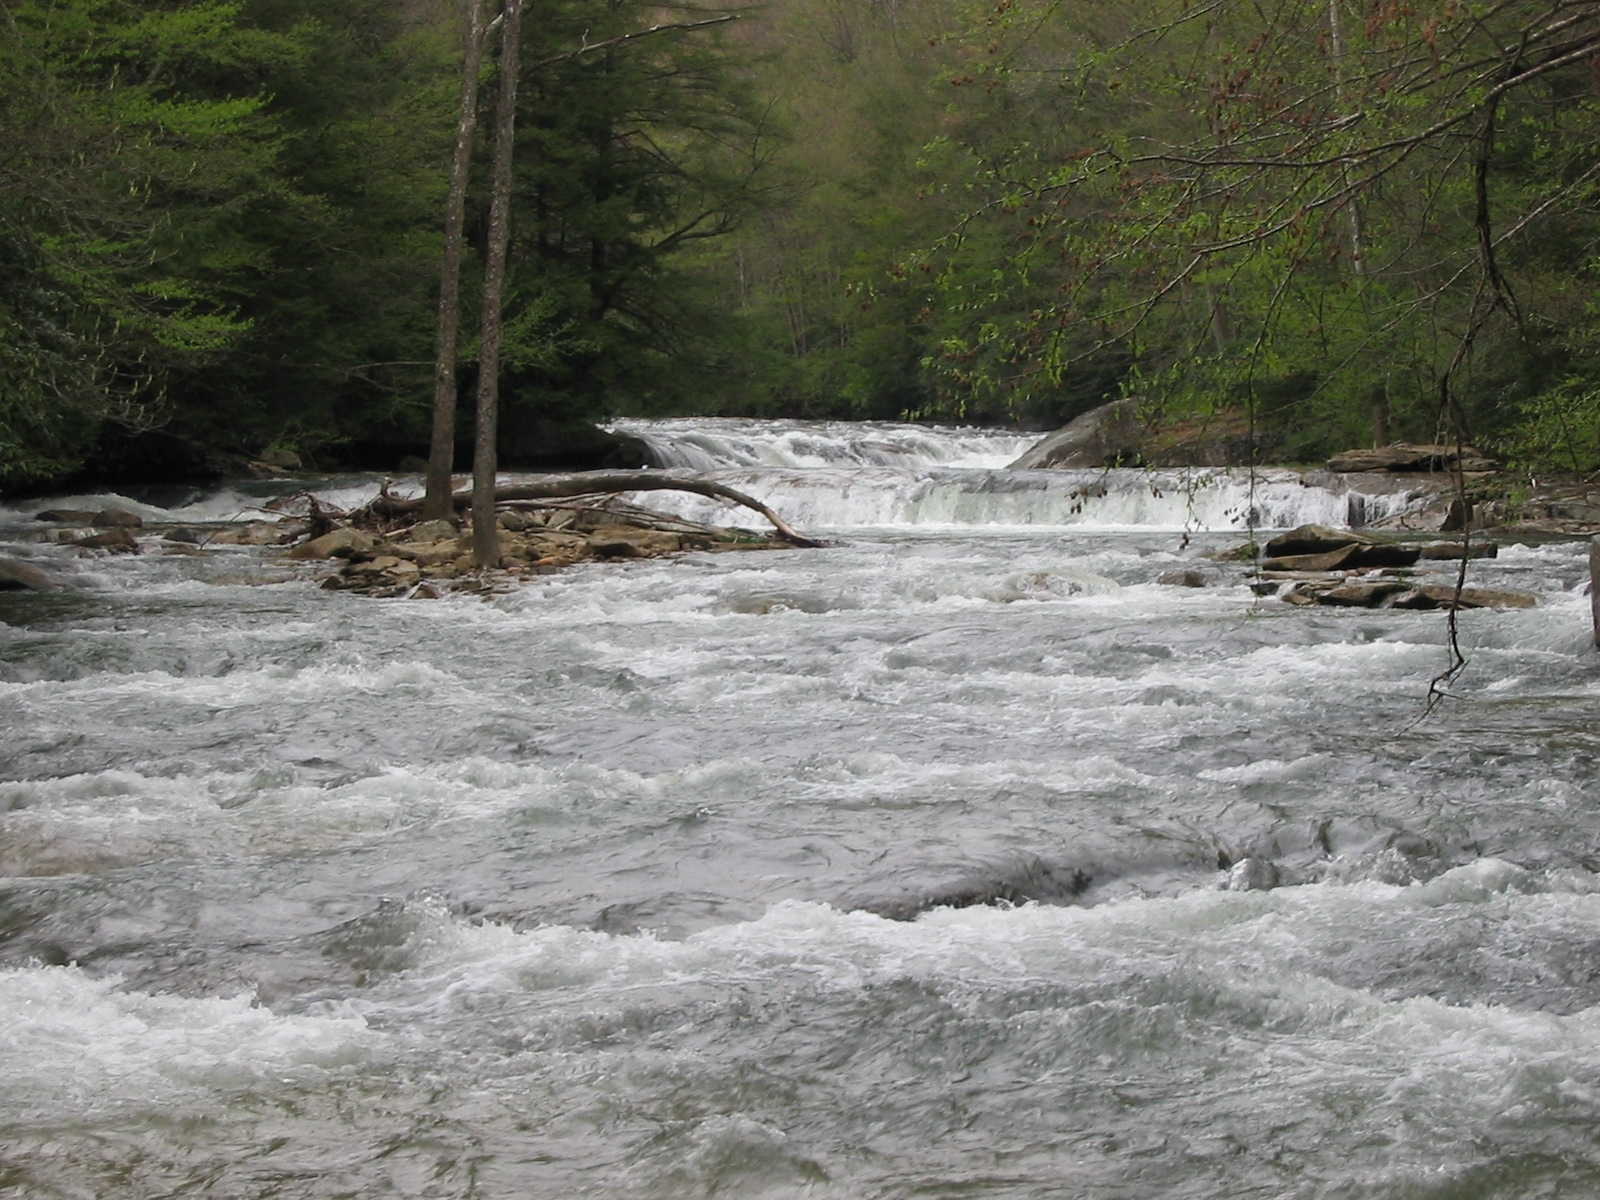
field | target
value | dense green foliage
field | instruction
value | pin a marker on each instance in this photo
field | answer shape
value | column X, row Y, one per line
column 1349, row 220
column 223, row 216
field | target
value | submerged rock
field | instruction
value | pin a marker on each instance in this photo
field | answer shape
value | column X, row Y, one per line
column 1351, row 557
column 112, row 518
column 1402, row 594
column 343, row 542
column 1252, row 875
column 18, row 576
column 1315, row 539
column 66, row 516
column 252, row 533
column 1189, row 578
column 433, row 531
column 117, row 541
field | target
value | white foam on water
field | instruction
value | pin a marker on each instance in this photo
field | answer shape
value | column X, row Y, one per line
column 712, row 443
column 25, row 510
column 99, row 821
column 239, row 689
column 1110, row 500
column 81, row 1046
column 1273, row 770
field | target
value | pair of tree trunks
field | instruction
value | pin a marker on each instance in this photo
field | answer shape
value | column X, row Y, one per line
column 438, row 501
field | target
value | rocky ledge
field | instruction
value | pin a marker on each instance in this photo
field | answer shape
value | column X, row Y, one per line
column 384, row 556
column 426, row 559
column 1339, row 568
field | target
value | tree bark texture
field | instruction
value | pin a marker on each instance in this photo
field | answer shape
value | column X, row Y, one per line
column 485, row 533
column 442, row 448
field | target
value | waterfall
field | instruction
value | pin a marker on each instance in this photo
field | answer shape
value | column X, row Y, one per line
column 714, row 443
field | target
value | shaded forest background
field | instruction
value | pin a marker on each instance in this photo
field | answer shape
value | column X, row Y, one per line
column 1335, row 221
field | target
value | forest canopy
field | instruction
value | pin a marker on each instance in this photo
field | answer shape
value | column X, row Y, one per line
column 1352, row 220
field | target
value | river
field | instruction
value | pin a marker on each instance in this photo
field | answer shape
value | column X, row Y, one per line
column 890, row 869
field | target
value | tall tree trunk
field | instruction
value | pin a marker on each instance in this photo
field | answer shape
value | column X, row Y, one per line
column 485, row 533
column 442, row 449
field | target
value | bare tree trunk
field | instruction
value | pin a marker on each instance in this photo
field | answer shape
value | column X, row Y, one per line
column 485, row 533
column 442, row 449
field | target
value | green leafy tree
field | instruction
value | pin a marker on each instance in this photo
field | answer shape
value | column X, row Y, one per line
column 1347, row 215
column 129, row 133
column 638, row 144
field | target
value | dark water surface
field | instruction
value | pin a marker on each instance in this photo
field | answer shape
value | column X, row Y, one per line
column 885, row 870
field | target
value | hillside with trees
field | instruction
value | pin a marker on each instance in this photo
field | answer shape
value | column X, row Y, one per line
column 221, row 222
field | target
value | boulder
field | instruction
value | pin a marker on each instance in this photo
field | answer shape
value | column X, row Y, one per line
column 558, row 547
column 428, row 554
column 1108, row 434
column 117, row 541
column 66, row 516
column 433, row 531
column 516, row 521
column 1478, row 597
column 1189, row 578
column 114, row 518
column 1361, row 595
column 1412, row 598
column 1252, row 875
column 1406, row 456
column 623, row 541
column 384, row 564
column 1358, row 556
column 1314, row 539
column 343, row 542
column 1403, row 594
column 17, row 576
column 251, row 533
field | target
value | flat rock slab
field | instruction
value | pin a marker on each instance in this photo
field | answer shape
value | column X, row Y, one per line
column 66, row 516
column 1407, row 456
column 1458, row 550
column 1314, row 539
column 1403, row 594
column 1355, row 556
column 117, row 541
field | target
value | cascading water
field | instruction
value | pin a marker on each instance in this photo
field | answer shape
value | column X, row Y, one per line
column 713, row 443
column 835, row 475
column 889, row 869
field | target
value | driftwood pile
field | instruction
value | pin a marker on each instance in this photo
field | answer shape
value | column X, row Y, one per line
column 543, row 526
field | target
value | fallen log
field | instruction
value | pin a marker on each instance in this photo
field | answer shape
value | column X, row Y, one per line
column 558, row 487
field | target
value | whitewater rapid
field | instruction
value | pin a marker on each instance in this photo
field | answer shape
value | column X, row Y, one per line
column 889, row 869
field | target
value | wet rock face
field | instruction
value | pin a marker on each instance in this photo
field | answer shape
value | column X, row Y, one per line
column 1106, row 434
column 1252, row 875
column 1316, row 565
column 118, row 541
column 66, row 516
column 20, row 576
column 340, row 543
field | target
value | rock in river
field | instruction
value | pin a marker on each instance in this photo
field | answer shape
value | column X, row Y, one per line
column 15, row 576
